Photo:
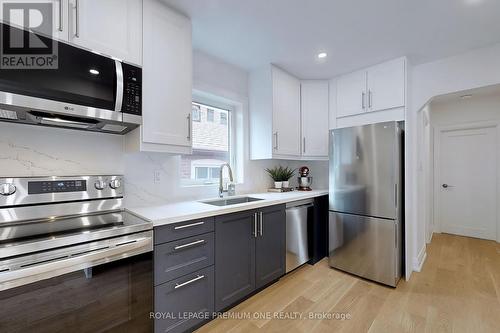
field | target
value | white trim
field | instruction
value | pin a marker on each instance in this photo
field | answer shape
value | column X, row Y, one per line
column 438, row 131
column 418, row 262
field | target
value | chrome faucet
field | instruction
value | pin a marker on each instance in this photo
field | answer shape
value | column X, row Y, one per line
column 221, row 187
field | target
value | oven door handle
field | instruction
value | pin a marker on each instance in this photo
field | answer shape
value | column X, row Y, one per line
column 119, row 86
column 78, row 260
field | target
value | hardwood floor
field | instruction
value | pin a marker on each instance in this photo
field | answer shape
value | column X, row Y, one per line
column 458, row 290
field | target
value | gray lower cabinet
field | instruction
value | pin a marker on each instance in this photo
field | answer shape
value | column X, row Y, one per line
column 234, row 258
column 183, row 256
column 270, row 245
column 185, row 302
column 249, row 253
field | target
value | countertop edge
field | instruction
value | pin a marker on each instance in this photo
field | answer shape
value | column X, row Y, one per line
column 216, row 211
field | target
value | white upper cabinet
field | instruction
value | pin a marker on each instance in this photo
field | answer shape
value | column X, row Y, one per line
column 59, row 17
column 378, row 88
column 351, row 94
column 288, row 118
column 286, row 113
column 386, row 85
column 314, row 115
column 274, row 102
column 167, row 76
column 112, row 27
column 166, row 81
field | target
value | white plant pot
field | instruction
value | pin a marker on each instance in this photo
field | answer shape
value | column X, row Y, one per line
column 278, row 184
column 286, row 184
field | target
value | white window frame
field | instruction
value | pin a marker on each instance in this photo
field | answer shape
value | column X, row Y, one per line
column 215, row 103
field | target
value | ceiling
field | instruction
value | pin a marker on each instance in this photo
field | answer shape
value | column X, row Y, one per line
column 354, row 33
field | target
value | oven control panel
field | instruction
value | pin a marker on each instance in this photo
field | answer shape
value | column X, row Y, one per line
column 56, row 186
column 54, row 189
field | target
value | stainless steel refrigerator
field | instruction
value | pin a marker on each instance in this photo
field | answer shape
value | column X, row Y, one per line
column 366, row 205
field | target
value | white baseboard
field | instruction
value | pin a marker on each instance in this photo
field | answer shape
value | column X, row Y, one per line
column 418, row 262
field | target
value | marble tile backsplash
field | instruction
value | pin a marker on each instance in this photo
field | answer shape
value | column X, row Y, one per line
column 27, row 150
column 39, row 151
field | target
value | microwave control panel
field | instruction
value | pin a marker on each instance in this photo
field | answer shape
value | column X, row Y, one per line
column 132, row 96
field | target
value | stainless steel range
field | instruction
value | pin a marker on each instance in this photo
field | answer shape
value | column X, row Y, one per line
column 66, row 243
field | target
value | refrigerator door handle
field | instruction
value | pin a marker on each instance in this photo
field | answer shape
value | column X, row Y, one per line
column 396, row 194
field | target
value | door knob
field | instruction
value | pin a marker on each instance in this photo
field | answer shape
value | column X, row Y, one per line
column 446, row 186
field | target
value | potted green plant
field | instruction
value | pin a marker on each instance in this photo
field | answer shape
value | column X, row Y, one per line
column 286, row 175
column 280, row 175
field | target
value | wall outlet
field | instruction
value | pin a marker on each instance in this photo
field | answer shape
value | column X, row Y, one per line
column 157, row 177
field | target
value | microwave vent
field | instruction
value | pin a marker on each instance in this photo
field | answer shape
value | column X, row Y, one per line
column 6, row 114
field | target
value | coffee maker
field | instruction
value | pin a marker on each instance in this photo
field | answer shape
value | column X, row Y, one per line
column 304, row 179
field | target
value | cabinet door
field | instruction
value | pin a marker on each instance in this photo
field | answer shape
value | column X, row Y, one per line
column 386, row 85
column 270, row 245
column 59, row 16
column 351, row 94
column 234, row 258
column 286, row 113
column 314, row 113
column 113, row 27
column 167, row 76
column 190, row 294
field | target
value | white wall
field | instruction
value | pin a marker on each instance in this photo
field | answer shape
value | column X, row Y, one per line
column 474, row 69
column 212, row 77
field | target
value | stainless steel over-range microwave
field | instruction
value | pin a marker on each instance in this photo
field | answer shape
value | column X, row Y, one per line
column 81, row 89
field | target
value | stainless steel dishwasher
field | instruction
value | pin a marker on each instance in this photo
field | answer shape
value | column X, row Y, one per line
column 299, row 217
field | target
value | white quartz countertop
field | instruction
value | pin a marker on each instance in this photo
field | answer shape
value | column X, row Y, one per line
column 191, row 210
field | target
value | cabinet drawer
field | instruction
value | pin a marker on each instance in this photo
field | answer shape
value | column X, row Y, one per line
column 181, row 257
column 190, row 294
column 180, row 230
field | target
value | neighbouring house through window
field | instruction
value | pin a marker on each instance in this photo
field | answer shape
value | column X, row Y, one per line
column 211, row 146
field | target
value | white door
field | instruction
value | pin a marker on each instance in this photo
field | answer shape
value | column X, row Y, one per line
column 467, row 180
column 286, row 114
column 112, row 27
column 314, row 114
column 351, row 94
column 386, row 85
column 167, row 76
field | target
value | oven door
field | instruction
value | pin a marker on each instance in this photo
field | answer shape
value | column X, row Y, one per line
column 111, row 297
column 82, row 85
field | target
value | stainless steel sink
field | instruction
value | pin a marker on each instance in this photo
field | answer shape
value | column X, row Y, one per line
column 230, row 201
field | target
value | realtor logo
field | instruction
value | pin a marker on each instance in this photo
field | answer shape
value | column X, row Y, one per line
column 26, row 41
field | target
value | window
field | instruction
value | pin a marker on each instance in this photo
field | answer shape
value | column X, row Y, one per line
column 210, row 115
column 196, row 111
column 223, row 119
column 212, row 146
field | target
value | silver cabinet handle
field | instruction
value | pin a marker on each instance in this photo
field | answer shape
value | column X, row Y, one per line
column 180, row 285
column 370, row 99
column 60, row 15
column 254, row 233
column 446, row 186
column 304, row 144
column 363, row 100
column 77, row 18
column 261, row 225
column 189, row 225
column 276, row 141
column 189, row 127
column 183, row 246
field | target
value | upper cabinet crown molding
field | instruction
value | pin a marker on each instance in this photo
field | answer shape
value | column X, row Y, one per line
column 371, row 95
column 280, row 124
column 167, row 82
